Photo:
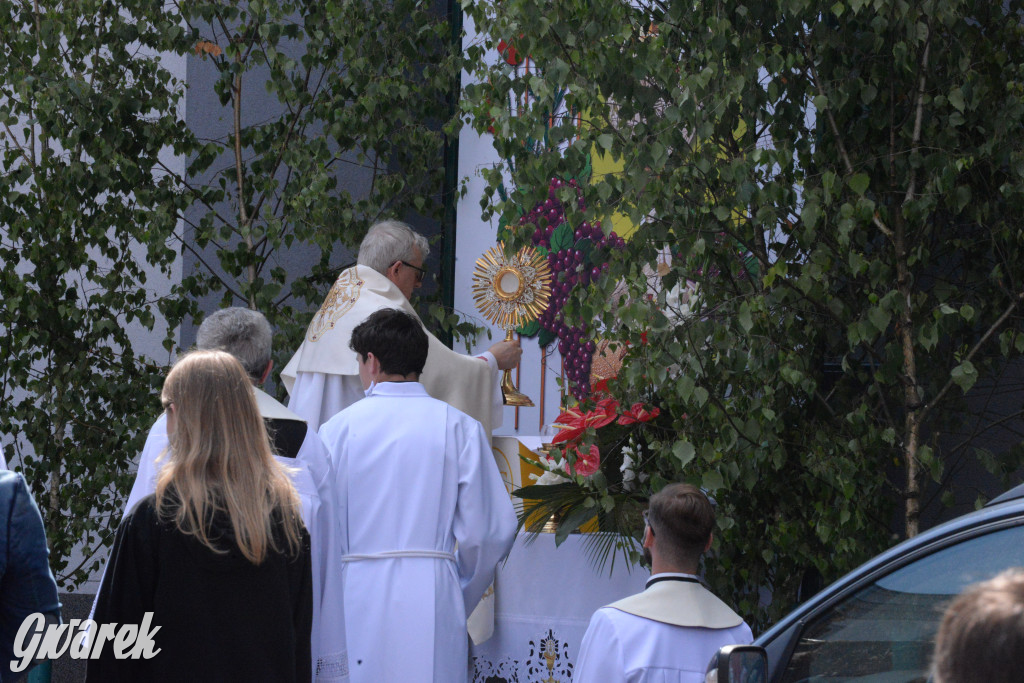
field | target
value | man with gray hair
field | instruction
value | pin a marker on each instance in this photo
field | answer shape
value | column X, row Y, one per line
column 322, row 377
column 247, row 336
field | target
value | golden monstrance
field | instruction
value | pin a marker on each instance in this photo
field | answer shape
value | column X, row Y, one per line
column 510, row 292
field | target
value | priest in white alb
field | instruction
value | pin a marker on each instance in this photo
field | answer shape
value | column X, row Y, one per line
column 424, row 514
column 247, row 336
column 322, row 377
column 669, row 632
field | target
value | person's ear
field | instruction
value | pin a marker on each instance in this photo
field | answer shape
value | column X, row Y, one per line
column 392, row 272
column 266, row 371
column 711, row 539
column 374, row 364
column 648, row 540
column 172, row 419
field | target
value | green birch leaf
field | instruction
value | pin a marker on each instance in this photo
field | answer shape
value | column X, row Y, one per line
column 956, row 98
column 744, row 319
column 712, row 480
column 859, row 183
column 683, row 452
column 965, row 375
column 880, row 318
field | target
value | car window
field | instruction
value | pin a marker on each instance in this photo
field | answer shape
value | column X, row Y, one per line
column 884, row 633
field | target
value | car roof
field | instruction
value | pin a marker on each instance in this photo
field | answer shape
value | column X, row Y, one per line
column 1008, row 505
column 1015, row 493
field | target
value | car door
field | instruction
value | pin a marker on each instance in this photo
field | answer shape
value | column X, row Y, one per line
column 884, row 630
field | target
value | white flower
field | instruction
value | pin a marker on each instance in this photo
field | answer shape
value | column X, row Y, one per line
column 548, row 479
column 554, row 470
column 681, row 300
column 628, row 475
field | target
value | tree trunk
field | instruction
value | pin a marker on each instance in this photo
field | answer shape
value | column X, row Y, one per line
column 912, row 400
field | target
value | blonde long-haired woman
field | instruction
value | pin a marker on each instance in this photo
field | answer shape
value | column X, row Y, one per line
column 219, row 554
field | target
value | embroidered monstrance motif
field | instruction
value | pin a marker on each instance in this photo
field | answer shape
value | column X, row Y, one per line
column 548, row 661
column 339, row 301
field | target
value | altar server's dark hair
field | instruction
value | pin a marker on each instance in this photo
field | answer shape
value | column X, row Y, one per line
column 395, row 338
column 682, row 518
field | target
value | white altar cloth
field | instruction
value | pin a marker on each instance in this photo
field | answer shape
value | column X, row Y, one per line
column 544, row 599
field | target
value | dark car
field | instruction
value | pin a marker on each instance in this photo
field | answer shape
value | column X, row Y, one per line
column 878, row 622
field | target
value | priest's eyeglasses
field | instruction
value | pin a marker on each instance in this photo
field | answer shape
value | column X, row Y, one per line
column 420, row 272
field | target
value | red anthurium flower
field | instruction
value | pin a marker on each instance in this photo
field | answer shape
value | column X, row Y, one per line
column 603, row 414
column 569, row 415
column 637, row 413
column 587, row 463
column 508, row 53
column 568, row 434
column 573, row 423
column 601, row 388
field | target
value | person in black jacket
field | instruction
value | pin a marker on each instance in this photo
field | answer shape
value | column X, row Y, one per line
column 26, row 582
column 218, row 556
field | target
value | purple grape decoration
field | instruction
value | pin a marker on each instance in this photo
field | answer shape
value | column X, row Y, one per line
column 578, row 258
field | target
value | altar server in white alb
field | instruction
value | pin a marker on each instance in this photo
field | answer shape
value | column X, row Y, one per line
column 425, row 515
column 322, row 377
column 668, row 633
column 247, row 336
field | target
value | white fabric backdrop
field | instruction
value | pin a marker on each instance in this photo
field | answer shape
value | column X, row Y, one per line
column 544, row 597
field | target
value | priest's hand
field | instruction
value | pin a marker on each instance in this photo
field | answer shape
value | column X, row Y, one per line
column 507, row 353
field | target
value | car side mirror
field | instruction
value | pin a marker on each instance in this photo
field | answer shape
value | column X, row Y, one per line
column 738, row 664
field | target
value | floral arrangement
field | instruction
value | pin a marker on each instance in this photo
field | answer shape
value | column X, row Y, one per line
column 599, row 465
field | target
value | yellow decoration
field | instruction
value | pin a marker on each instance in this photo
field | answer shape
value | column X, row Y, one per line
column 535, row 522
column 603, row 165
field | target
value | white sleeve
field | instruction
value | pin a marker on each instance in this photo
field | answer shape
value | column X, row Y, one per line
column 485, row 522
column 316, row 397
column 145, row 477
column 329, row 646
column 601, row 657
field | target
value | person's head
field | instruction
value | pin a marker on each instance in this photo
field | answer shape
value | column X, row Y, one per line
column 981, row 637
column 243, row 333
column 680, row 521
column 390, row 343
column 220, row 457
column 395, row 251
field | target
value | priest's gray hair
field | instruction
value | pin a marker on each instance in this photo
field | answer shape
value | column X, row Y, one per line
column 388, row 242
column 243, row 333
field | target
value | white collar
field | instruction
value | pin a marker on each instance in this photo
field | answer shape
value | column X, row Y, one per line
column 403, row 389
column 673, row 575
column 681, row 600
column 271, row 408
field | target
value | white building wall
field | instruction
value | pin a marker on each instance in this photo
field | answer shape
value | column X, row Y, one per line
column 474, row 237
